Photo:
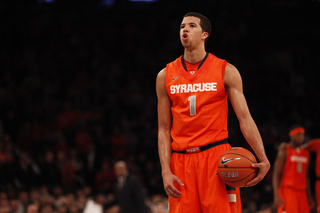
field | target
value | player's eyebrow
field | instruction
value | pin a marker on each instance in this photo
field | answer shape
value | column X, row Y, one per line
column 189, row 23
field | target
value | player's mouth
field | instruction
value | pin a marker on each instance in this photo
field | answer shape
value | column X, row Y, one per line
column 184, row 36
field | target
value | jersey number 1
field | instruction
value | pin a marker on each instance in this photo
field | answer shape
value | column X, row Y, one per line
column 192, row 100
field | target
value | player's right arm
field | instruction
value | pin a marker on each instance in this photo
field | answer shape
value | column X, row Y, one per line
column 277, row 173
column 164, row 137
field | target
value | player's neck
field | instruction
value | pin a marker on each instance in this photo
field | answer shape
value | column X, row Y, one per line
column 195, row 55
column 294, row 145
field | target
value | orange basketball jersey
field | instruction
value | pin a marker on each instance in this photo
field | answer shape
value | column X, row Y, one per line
column 314, row 146
column 199, row 102
column 294, row 174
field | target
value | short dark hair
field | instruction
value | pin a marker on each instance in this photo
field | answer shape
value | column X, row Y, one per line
column 204, row 22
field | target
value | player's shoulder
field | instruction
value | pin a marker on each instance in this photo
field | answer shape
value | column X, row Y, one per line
column 162, row 73
column 170, row 64
column 282, row 150
column 214, row 57
column 283, row 146
column 161, row 77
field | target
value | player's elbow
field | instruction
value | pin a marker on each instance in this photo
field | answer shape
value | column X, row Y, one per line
column 164, row 129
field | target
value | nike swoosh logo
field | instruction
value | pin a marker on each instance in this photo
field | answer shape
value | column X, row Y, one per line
column 176, row 77
column 223, row 161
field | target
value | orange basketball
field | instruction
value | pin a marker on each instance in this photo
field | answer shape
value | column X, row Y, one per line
column 234, row 167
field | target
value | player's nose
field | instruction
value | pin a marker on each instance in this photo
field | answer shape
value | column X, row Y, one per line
column 186, row 29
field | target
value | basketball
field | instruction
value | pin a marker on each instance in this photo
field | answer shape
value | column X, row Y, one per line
column 234, row 167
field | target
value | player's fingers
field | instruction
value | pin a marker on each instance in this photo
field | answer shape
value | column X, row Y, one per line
column 258, row 178
column 281, row 202
column 311, row 205
column 173, row 192
column 179, row 181
column 256, row 165
column 255, row 180
column 263, row 168
column 260, row 166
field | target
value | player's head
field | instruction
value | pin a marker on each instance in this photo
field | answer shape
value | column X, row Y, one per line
column 204, row 22
column 296, row 134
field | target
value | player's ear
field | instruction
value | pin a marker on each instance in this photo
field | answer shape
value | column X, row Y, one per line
column 205, row 35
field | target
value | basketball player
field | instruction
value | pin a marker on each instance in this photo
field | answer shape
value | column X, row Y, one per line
column 314, row 146
column 291, row 185
column 192, row 117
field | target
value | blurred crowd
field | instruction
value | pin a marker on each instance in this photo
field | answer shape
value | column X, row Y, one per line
column 82, row 200
column 77, row 91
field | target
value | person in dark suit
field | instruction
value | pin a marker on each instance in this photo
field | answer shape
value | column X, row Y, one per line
column 128, row 191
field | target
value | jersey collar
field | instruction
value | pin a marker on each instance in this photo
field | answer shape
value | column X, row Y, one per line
column 185, row 67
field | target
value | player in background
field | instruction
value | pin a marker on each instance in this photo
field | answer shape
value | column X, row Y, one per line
column 314, row 146
column 291, row 184
column 192, row 96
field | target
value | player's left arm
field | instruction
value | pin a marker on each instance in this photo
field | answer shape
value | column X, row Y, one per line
column 233, row 84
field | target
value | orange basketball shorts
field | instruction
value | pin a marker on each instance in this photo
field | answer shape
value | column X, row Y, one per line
column 203, row 190
column 295, row 201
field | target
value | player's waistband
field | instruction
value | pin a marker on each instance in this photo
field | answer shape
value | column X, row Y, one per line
column 201, row 148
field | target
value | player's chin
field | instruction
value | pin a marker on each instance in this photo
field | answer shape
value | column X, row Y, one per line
column 186, row 45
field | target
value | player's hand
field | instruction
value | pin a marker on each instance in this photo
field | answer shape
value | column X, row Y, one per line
column 312, row 204
column 263, row 168
column 277, row 202
column 169, row 180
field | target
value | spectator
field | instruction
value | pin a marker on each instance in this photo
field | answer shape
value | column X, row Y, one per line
column 9, row 171
column 105, row 177
column 62, row 208
column 23, row 197
column 32, row 208
column 68, row 173
column 118, row 144
column 92, row 163
column 95, row 205
column 128, row 191
column 50, row 173
column 16, row 206
column 73, row 208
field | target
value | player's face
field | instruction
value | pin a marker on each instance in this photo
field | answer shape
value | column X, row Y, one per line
column 191, row 33
column 298, row 138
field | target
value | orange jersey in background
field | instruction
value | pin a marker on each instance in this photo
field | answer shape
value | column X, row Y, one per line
column 199, row 102
column 295, row 168
column 314, row 146
column 293, row 186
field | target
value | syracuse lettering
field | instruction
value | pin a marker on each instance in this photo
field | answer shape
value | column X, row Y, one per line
column 298, row 159
column 197, row 87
